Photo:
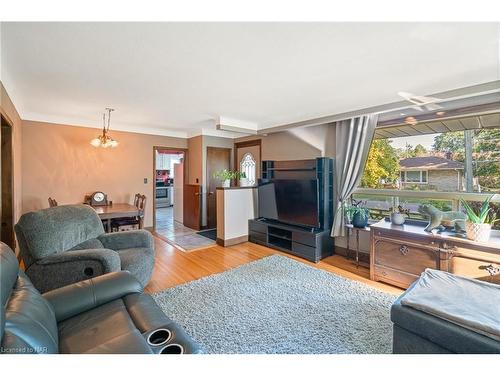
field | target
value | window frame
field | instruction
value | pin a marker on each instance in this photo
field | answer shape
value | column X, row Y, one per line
column 244, row 159
column 404, row 176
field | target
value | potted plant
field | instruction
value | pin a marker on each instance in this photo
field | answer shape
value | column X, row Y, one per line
column 225, row 175
column 398, row 215
column 242, row 177
column 478, row 224
column 357, row 214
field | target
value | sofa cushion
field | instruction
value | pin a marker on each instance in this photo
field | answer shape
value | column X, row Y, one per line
column 56, row 229
column 97, row 328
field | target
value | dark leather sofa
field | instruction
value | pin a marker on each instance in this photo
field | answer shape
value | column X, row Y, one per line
column 106, row 314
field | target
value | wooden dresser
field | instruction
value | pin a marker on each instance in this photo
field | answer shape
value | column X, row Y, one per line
column 400, row 253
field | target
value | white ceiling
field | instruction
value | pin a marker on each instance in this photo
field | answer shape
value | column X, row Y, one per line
column 176, row 78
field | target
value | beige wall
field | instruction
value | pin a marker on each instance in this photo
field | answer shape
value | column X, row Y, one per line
column 297, row 144
column 195, row 160
column 445, row 180
column 9, row 112
column 58, row 161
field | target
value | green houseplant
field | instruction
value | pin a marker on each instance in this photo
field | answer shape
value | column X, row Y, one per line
column 241, row 177
column 226, row 175
column 478, row 223
column 357, row 214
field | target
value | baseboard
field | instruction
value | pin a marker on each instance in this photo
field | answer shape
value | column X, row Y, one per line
column 363, row 257
column 231, row 241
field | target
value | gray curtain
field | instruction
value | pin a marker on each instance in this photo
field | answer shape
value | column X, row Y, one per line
column 352, row 138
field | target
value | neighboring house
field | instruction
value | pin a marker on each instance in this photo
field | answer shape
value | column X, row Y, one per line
column 437, row 173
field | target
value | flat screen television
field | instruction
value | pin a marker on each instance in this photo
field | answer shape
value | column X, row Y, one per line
column 290, row 201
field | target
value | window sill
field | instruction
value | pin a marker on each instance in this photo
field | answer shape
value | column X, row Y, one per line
column 443, row 195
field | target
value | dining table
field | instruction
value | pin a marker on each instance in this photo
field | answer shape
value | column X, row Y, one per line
column 115, row 211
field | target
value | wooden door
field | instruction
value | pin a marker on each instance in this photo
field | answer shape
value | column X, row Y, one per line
column 7, row 208
column 192, row 206
column 217, row 158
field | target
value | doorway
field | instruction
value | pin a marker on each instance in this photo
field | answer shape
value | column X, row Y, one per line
column 7, row 173
column 168, row 195
column 218, row 158
column 176, row 202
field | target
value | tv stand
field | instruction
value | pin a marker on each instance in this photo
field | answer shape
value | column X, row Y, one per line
column 306, row 243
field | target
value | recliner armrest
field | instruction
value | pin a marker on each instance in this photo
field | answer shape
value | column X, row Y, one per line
column 109, row 259
column 127, row 239
column 77, row 298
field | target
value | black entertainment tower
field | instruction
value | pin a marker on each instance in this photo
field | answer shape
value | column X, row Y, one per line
column 311, row 244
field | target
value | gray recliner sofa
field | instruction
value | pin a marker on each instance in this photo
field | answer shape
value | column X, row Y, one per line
column 107, row 314
column 66, row 244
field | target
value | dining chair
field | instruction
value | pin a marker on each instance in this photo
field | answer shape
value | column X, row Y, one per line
column 52, row 202
column 140, row 203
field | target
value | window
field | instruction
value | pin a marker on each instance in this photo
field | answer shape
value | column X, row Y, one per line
column 247, row 165
column 418, row 177
column 436, row 169
column 436, row 162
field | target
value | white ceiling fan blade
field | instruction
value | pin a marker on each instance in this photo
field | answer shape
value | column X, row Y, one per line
column 432, row 107
column 418, row 100
column 406, row 95
column 425, row 99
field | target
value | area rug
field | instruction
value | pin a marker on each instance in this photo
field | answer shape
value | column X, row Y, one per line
column 279, row 305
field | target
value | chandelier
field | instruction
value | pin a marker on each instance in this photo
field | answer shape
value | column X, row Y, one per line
column 104, row 140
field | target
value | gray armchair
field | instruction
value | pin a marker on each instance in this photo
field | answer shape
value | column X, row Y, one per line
column 66, row 244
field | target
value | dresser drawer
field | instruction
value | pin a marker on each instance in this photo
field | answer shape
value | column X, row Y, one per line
column 404, row 256
column 394, row 277
column 305, row 251
column 304, row 238
column 474, row 264
column 406, row 237
column 257, row 237
column 257, row 226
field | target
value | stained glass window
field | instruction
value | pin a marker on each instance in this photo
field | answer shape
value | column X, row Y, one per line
column 247, row 165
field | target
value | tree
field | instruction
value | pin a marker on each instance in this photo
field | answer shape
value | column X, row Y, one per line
column 485, row 154
column 382, row 164
column 452, row 142
column 408, row 152
column 486, row 158
column 419, row 150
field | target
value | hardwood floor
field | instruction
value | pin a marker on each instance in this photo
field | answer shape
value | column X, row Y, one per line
column 174, row 267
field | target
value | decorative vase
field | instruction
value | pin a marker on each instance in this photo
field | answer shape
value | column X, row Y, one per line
column 360, row 219
column 397, row 218
column 477, row 232
column 243, row 182
column 226, row 183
